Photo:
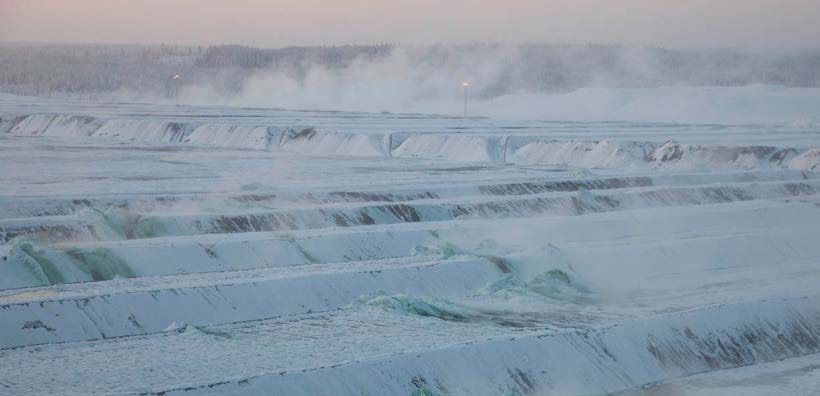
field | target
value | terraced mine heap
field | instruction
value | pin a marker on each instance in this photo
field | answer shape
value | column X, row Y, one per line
column 190, row 250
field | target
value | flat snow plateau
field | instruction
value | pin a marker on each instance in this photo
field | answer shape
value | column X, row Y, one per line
column 149, row 249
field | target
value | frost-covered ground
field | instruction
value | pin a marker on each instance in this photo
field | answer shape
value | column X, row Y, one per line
column 204, row 250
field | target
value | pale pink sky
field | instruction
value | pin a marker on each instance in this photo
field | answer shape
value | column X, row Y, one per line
column 679, row 23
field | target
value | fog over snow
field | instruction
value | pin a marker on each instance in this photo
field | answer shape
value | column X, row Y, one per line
column 613, row 66
column 524, row 81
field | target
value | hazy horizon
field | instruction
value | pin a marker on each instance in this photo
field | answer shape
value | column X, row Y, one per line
column 766, row 24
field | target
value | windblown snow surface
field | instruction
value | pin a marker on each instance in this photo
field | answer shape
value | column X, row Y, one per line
column 150, row 249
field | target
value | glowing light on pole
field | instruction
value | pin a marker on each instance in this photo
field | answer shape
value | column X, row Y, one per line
column 176, row 79
column 465, row 85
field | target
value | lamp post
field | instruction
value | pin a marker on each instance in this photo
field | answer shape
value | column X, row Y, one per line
column 465, row 85
column 176, row 79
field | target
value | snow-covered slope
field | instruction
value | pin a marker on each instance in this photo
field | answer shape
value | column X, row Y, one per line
column 605, row 145
column 181, row 250
column 810, row 161
column 453, row 147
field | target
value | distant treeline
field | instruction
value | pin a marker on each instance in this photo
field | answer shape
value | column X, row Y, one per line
column 91, row 70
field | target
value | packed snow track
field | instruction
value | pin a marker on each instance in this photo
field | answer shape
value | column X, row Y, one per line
column 178, row 250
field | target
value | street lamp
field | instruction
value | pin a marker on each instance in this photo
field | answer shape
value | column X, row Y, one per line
column 176, row 79
column 465, row 85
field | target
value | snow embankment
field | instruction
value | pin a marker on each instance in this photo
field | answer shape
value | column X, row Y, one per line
column 809, row 161
column 147, row 131
column 452, row 147
column 307, row 141
column 7, row 122
column 459, row 147
column 28, row 264
column 585, row 361
column 577, row 153
column 252, row 137
column 61, row 126
column 310, row 141
column 647, row 155
column 123, row 307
